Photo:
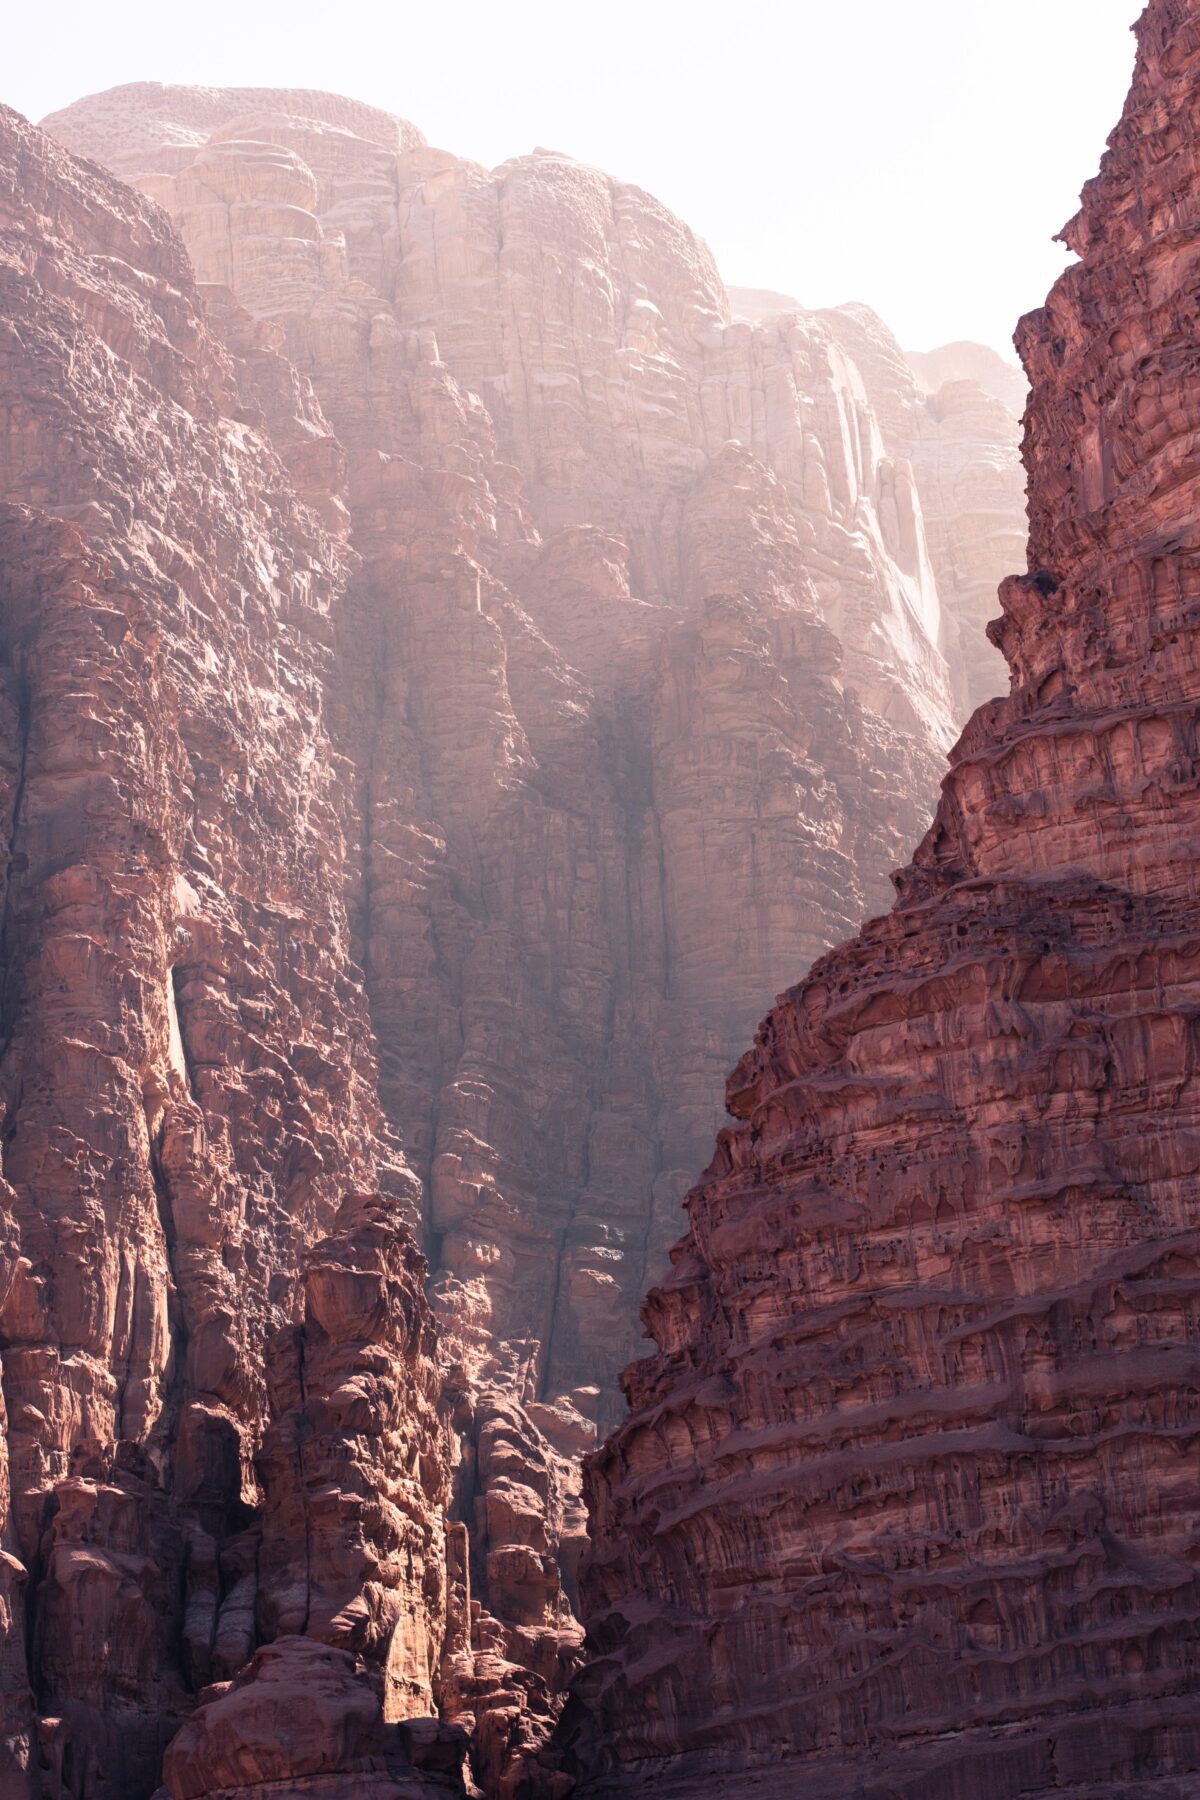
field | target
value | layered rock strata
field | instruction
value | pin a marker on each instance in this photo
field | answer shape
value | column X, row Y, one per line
column 906, row 1503
column 222, row 1413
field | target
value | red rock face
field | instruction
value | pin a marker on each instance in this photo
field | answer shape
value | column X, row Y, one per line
column 907, row 1500
column 199, row 1199
column 639, row 694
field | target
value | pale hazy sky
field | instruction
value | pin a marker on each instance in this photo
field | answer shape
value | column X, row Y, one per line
column 915, row 154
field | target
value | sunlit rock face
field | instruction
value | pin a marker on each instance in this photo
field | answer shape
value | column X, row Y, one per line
column 906, row 1503
column 965, row 458
column 223, row 1418
column 638, row 691
column 952, row 415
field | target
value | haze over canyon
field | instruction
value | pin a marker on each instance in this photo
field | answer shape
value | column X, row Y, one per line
column 459, row 663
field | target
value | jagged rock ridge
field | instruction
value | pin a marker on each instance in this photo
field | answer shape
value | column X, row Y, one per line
column 906, row 1502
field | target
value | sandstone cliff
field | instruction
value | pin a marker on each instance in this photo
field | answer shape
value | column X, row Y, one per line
column 534, row 664
column 638, row 693
column 907, row 1500
column 204, row 1222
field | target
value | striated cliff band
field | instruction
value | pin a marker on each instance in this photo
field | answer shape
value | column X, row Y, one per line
column 907, row 1501
column 457, row 664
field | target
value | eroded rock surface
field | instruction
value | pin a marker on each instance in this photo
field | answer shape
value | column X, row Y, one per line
column 198, row 1192
column 907, row 1500
column 639, row 689
column 561, row 666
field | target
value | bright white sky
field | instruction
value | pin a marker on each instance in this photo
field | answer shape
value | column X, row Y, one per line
column 915, row 154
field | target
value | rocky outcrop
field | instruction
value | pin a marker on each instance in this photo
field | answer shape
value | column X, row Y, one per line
column 906, row 1502
column 638, row 693
column 362, row 1603
column 222, row 1413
